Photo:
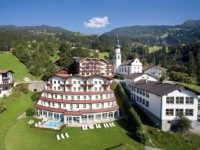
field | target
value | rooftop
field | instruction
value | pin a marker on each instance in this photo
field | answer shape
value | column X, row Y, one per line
column 157, row 88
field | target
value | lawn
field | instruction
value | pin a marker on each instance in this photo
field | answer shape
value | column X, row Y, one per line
column 154, row 49
column 192, row 86
column 170, row 140
column 10, row 62
column 18, row 135
column 103, row 54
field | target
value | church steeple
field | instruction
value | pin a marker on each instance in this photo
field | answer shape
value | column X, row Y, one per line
column 117, row 43
column 117, row 58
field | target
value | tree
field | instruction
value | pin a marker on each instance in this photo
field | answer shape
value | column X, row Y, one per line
column 135, row 55
column 198, row 66
column 181, row 125
column 192, row 64
column 30, row 112
column 2, row 107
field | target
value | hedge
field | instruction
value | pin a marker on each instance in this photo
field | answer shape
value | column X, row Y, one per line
column 130, row 114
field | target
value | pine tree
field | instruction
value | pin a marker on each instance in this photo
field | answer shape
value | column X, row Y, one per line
column 192, row 64
column 198, row 66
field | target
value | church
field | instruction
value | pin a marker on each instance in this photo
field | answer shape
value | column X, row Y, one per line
column 125, row 67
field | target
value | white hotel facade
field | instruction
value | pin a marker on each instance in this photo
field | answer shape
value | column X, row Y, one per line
column 164, row 102
column 78, row 99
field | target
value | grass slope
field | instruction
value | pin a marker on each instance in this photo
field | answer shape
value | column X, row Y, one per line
column 10, row 62
column 15, row 107
column 18, row 135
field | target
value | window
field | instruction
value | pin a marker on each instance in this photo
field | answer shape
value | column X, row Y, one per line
column 140, row 100
column 137, row 90
column 143, row 93
column 189, row 112
column 147, row 94
column 55, row 96
column 95, row 88
column 54, row 88
column 179, row 112
column 74, row 88
column 169, row 112
column 72, row 97
column 78, row 97
column 96, row 96
column 97, row 105
column 170, row 100
column 95, row 82
column 64, row 105
column 84, row 97
column 54, row 82
column 53, row 104
column 77, row 105
column 99, row 88
column 59, row 88
column 79, row 82
column 84, row 105
column 99, row 82
column 189, row 100
column 74, row 82
column 66, row 97
column 179, row 100
column 58, row 82
column 143, row 101
column 147, row 103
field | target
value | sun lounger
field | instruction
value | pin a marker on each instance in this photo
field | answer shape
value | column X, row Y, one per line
column 110, row 124
column 104, row 125
column 36, row 125
column 66, row 134
column 99, row 125
column 83, row 127
column 62, row 136
column 113, row 124
column 58, row 137
column 107, row 125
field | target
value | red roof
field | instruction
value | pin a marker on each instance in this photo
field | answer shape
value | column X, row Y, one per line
column 77, row 101
column 5, row 71
column 80, row 112
column 78, row 93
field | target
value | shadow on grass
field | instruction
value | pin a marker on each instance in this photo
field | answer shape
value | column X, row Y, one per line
column 127, row 127
column 145, row 120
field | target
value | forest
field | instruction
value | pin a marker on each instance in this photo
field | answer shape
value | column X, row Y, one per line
column 45, row 49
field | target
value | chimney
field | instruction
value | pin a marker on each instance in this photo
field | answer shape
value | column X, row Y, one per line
column 146, row 80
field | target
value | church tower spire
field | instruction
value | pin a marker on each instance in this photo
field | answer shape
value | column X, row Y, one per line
column 117, row 58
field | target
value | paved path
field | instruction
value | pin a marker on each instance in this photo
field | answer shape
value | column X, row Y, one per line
column 150, row 148
column 33, row 85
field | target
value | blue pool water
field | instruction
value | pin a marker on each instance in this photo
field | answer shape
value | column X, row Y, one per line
column 52, row 124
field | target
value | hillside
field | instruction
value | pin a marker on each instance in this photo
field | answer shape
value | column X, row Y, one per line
column 10, row 62
column 152, row 35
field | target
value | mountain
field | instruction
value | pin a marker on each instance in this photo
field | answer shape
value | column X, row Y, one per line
column 191, row 23
column 188, row 32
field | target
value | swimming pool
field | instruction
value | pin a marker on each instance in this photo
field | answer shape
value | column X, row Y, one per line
column 52, row 124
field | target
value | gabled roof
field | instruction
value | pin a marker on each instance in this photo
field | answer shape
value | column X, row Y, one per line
column 79, row 59
column 64, row 74
column 135, row 75
column 5, row 71
column 157, row 67
column 157, row 88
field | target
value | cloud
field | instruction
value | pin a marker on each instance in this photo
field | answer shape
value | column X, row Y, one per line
column 97, row 22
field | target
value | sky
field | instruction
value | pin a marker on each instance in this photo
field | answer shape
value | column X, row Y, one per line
column 97, row 16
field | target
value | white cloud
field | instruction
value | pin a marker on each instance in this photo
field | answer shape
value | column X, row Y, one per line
column 97, row 22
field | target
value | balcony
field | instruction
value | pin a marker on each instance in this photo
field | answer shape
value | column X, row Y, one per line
column 5, row 78
column 49, row 84
column 105, row 84
column 68, row 85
